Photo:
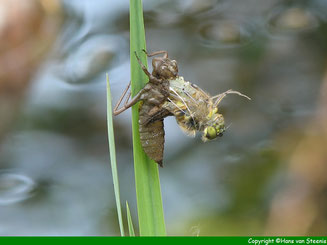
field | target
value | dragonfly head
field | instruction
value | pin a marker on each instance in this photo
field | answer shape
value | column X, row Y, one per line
column 164, row 68
column 214, row 129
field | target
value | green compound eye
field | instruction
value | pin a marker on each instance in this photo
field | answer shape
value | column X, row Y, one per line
column 210, row 133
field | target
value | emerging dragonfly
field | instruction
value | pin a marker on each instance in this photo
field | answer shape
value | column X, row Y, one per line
column 168, row 94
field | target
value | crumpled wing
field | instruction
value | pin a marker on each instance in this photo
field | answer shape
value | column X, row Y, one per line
column 186, row 129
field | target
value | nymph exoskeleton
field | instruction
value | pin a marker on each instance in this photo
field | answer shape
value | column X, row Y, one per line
column 168, row 94
column 153, row 96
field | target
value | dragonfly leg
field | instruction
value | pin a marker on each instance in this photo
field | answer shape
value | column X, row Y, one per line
column 127, row 103
column 220, row 97
column 165, row 53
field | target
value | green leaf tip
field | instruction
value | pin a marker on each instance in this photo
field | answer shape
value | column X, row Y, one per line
column 112, row 151
column 129, row 221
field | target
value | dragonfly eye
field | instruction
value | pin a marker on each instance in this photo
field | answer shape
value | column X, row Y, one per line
column 210, row 133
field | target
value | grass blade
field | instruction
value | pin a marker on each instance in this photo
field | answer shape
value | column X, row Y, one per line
column 129, row 221
column 112, row 151
column 148, row 193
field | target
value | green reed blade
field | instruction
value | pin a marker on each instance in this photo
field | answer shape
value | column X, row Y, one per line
column 148, row 193
column 112, row 151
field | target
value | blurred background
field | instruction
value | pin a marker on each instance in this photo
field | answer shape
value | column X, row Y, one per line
column 265, row 176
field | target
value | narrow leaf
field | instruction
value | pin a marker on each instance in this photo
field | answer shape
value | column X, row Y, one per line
column 112, row 151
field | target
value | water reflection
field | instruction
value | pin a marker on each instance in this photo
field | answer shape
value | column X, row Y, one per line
column 182, row 13
column 293, row 19
column 226, row 33
column 15, row 188
column 91, row 58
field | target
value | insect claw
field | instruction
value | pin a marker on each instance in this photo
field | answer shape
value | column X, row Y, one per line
column 160, row 163
column 145, row 51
